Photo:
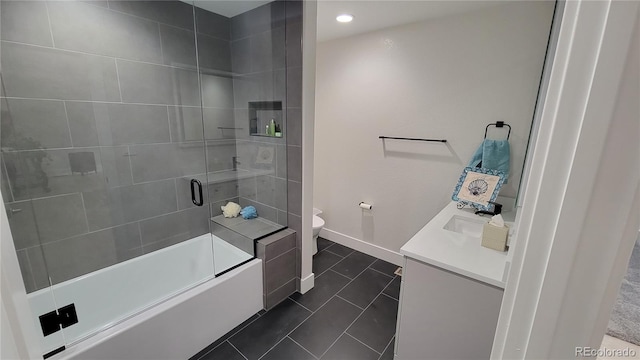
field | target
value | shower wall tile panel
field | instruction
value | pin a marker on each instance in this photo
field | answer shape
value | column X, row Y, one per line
column 267, row 51
column 95, row 30
column 258, row 20
column 212, row 24
column 241, row 56
column 178, row 46
column 185, row 123
column 174, row 228
column 294, row 87
column 156, row 84
column 119, row 124
column 23, row 119
column 45, row 173
column 213, row 53
column 217, row 91
column 294, row 163
column 111, row 207
column 162, row 161
column 175, row 13
column 55, row 224
column 295, row 197
column 38, row 268
column 25, row 269
column 294, row 126
column 22, row 221
column 25, row 21
column 278, row 255
column 219, row 124
column 42, row 73
column 79, row 255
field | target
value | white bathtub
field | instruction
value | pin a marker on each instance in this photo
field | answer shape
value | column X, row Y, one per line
column 162, row 305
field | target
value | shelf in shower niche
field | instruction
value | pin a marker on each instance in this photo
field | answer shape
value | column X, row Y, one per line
column 254, row 229
column 227, row 175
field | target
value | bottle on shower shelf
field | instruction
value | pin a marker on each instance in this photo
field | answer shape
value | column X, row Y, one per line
column 272, row 128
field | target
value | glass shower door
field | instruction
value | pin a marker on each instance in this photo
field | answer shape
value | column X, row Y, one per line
column 243, row 81
column 101, row 139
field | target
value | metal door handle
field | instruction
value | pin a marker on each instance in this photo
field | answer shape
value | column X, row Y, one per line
column 200, row 201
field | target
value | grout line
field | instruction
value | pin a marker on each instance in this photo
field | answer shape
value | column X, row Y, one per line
column 160, row 40
column 84, row 212
column 240, row 352
column 47, row 197
column 385, row 349
column 351, row 336
column 170, row 130
column 175, row 185
column 107, row 228
column 124, row 103
column 340, row 297
column 230, row 336
column 6, row 176
column 289, row 333
column 389, row 296
column 188, row 68
column 303, row 348
column 346, row 277
column 356, row 319
column 140, row 234
column 306, row 308
column 283, row 254
column 66, row 114
column 378, row 271
column 33, row 278
column 133, row 182
column 53, row 42
column 329, row 251
column 115, row 61
column 313, row 312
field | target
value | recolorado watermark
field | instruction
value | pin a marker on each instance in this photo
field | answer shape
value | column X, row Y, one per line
column 585, row 351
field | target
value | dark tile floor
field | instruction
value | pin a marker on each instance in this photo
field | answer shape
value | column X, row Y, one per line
column 349, row 314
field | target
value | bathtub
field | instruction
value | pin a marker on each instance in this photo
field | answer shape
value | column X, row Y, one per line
column 162, row 305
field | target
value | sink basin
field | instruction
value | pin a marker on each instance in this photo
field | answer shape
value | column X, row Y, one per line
column 465, row 226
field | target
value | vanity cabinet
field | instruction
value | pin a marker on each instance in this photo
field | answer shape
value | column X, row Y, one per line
column 444, row 315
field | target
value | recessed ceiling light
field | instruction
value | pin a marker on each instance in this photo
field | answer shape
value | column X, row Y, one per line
column 344, row 18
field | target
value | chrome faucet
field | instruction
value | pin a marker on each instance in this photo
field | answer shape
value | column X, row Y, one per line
column 497, row 209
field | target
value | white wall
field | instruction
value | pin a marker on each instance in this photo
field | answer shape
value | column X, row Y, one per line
column 444, row 78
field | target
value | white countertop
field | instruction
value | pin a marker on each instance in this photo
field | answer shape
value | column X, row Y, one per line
column 456, row 252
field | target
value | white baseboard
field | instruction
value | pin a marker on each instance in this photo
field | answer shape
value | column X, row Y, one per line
column 363, row 246
column 307, row 283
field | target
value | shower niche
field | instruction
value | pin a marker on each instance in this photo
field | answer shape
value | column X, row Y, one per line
column 265, row 118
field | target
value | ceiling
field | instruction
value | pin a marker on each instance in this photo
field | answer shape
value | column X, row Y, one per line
column 370, row 15
column 227, row 8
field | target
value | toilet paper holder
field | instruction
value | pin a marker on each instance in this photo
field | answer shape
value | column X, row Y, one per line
column 365, row 206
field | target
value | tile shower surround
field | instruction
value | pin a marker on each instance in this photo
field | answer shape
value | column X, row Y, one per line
column 121, row 86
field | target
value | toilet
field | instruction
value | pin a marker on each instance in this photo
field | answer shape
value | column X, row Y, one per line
column 318, row 223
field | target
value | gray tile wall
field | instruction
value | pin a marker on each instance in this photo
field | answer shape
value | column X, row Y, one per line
column 263, row 53
column 102, row 126
column 278, row 253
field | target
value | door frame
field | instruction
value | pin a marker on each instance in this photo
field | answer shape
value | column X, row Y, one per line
column 579, row 217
